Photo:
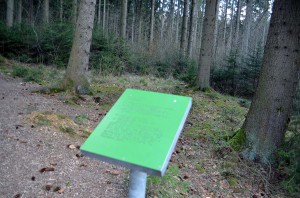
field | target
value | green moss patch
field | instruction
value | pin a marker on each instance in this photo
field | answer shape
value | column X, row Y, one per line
column 170, row 185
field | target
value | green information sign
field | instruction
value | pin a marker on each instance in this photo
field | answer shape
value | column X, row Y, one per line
column 140, row 131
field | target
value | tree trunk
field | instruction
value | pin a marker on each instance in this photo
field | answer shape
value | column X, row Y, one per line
column 61, row 10
column 74, row 17
column 200, row 25
column 229, row 42
column 151, row 24
column 162, row 21
column 191, row 28
column 206, row 51
column 162, row 29
column 247, row 26
column 31, row 13
column 177, row 22
column 139, row 15
column 269, row 113
column 133, row 23
column 79, row 57
column 171, row 20
column 237, row 25
column 123, row 19
column 215, row 45
column 99, row 13
column 194, row 43
column 46, row 11
column 10, row 13
column 107, row 19
column 225, row 27
column 104, row 14
column 20, row 11
column 184, row 27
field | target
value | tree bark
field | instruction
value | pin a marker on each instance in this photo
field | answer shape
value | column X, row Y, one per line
column 20, row 11
column 171, row 20
column 123, row 19
column 269, row 113
column 74, row 14
column 99, row 13
column 225, row 26
column 216, row 32
column 184, row 27
column 206, row 51
column 237, row 25
column 31, row 12
column 248, row 20
column 177, row 22
column 10, row 13
column 79, row 57
column 132, row 22
column 191, row 27
column 104, row 14
column 46, row 11
column 61, row 10
column 229, row 42
column 139, row 14
column 151, row 24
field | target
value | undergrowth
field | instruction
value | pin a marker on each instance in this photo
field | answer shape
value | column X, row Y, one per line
column 170, row 185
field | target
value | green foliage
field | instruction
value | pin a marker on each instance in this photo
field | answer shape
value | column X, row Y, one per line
column 29, row 74
column 187, row 71
column 289, row 157
column 238, row 77
column 81, row 119
column 109, row 55
column 237, row 140
column 232, row 182
column 19, row 71
column 49, row 44
column 2, row 59
column 224, row 79
column 170, row 185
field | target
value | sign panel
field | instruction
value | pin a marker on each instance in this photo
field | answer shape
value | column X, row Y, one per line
column 140, row 131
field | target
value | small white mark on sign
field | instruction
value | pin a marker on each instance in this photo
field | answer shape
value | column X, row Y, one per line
column 174, row 101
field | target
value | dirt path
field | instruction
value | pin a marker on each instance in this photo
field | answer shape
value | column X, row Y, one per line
column 25, row 149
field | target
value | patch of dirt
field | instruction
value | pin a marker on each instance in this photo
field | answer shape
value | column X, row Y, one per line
column 28, row 147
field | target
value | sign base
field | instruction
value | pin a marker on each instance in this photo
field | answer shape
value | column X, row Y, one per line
column 137, row 185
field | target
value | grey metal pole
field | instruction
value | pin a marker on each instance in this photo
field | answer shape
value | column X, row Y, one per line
column 137, row 185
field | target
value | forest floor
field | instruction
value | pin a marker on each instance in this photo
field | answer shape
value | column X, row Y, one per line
column 40, row 133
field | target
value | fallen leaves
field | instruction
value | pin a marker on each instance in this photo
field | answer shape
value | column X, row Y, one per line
column 113, row 172
column 46, row 169
column 72, row 146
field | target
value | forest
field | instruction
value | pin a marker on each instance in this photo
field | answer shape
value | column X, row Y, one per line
column 64, row 63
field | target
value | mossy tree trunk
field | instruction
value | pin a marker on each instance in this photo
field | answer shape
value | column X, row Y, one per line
column 268, row 116
column 79, row 57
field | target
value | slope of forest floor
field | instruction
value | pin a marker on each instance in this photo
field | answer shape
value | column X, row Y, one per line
column 41, row 131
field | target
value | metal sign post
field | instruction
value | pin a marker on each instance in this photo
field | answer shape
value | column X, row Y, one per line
column 137, row 184
column 139, row 132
